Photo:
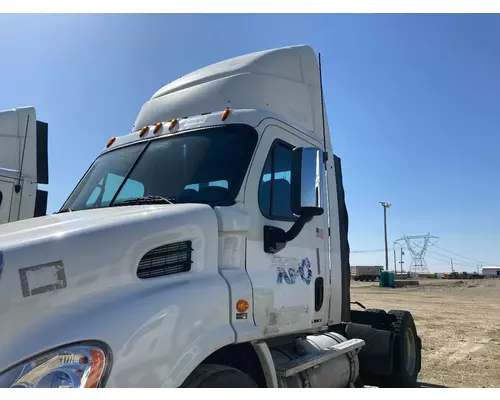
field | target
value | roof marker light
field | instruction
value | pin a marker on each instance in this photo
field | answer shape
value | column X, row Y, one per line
column 110, row 142
column 172, row 124
column 225, row 114
column 157, row 127
column 144, row 131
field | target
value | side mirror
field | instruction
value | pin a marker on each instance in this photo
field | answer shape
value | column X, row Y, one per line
column 306, row 197
column 306, row 185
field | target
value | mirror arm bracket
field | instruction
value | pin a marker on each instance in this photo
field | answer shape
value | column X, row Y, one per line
column 297, row 227
column 275, row 239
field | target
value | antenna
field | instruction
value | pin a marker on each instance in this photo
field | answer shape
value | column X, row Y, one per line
column 18, row 186
column 325, row 153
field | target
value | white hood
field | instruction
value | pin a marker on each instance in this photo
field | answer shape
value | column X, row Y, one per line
column 85, row 257
column 58, row 225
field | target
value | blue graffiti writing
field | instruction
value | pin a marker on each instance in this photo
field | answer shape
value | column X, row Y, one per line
column 289, row 274
column 305, row 270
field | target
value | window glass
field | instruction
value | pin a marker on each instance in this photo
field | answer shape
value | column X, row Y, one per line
column 108, row 187
column 274, row 188
column 204, row 166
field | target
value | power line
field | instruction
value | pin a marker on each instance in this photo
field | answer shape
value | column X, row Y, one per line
column 367, row 251
column 458, row 255
column 459, row 262
column 464, row 263
column 455, row 263
column 448, row 258
column 472, row 264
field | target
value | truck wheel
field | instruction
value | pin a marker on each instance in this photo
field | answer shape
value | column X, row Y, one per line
column 218, row 376
column 407, row 351
column 375, row 310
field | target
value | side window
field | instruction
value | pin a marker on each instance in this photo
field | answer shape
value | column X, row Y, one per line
column 1, row 198
column 274, row 187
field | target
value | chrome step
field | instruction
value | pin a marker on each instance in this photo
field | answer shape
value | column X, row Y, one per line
column 300, row 364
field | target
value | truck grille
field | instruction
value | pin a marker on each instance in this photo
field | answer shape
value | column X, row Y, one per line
column 166, row 260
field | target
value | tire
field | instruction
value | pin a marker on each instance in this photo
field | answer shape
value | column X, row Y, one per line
column 218, row 376
column 407, row 360
column 375, row 310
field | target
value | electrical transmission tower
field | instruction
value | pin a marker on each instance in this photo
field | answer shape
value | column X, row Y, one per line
column 417, row 246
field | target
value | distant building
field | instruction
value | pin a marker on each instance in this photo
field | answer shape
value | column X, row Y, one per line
column 491, row 271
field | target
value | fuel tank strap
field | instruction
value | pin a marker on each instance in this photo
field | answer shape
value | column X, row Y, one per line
column 311, row 360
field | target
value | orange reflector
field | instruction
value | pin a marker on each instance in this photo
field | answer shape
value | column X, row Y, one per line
column 144, row 131
column 97, row 368
column 225, row 114
column 110, row 142
column 157, row 127
column 172, row 124
column 242, row 305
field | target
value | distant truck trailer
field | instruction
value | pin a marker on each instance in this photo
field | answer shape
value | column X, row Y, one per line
column 365, row 273
column 491, row 272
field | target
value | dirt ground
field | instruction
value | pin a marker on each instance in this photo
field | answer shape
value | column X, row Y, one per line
column 458, row 322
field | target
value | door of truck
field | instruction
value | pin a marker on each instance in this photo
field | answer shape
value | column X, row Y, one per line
column 289, row 286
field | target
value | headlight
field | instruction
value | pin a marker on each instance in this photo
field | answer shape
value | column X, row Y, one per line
column 74, row 366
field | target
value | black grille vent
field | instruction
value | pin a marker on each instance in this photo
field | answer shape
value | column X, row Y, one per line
column 166, row 260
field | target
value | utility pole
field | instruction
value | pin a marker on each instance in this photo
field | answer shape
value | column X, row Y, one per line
column 402, row 262
column 386, row 206
column 451, row 259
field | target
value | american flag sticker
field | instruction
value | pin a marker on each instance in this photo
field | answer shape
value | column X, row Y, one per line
column 319, row 233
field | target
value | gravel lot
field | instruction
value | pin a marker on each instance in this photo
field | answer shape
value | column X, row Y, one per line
column 458, row 322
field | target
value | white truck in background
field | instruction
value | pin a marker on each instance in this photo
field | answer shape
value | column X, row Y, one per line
column 365, row 273
column 23, row 165
column 206, row 248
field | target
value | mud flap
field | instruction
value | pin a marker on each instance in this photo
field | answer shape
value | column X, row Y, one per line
column 376, row 356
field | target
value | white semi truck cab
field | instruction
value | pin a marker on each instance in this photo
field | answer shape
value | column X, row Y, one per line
column 206, row 248
column 23, row 165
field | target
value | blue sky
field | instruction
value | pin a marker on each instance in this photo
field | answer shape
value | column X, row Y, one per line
column 413, row 103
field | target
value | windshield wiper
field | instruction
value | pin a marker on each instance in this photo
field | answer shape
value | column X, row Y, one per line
column 144, row 200
column 64, row 210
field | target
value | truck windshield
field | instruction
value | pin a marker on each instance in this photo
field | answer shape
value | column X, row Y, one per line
column 204, row 166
